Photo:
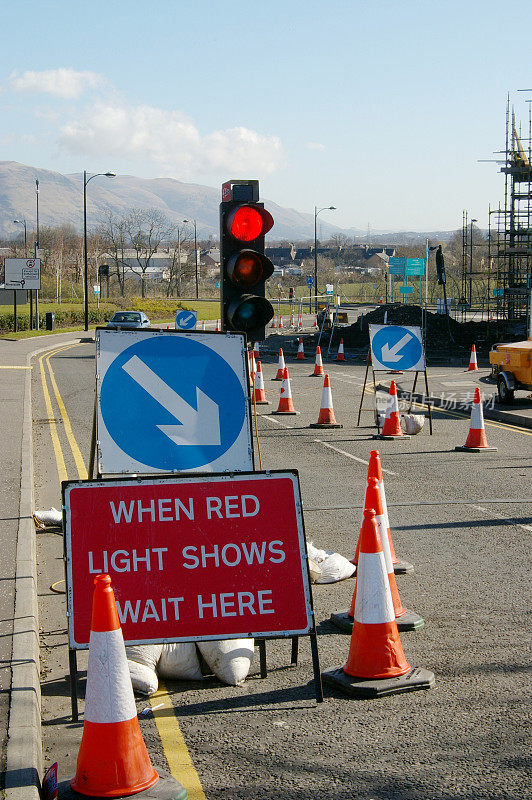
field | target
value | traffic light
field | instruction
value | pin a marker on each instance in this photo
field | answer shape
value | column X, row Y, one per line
column 440, row 266
column 243, row 223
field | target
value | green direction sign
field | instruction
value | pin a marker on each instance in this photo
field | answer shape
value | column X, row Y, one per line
column 396, row 265
column 415, row 266
column 406, row 289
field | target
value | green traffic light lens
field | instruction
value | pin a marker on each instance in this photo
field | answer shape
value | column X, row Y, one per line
column 249, row 312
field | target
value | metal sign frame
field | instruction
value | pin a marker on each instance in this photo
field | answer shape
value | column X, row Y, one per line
column 79, row 497
column 381, row 368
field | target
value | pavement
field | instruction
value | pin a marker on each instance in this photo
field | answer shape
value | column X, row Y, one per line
column 20, row 699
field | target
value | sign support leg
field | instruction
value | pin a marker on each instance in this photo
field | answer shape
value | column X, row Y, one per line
column 429, row 406
column 412, row 393
column 15, row 325
column 93, row 442
column 316, row 666
column 262, row 658
column 368, row 360
column 73, row 672
column 295, row 651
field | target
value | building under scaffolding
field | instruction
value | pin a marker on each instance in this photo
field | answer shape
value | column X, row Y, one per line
column 510, row 239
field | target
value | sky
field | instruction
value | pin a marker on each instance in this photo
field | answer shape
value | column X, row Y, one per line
column 383, row 109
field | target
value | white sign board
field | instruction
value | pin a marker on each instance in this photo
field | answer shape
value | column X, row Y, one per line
column 22, row 273
column 397, row 347
column 172, row 401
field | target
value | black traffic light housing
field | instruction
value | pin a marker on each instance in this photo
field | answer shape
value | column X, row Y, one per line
column 244, row 267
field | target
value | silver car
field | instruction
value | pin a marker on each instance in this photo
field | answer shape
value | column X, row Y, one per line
column 129, row 319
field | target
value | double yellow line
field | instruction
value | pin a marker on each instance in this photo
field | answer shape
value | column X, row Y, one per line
column 172, row 741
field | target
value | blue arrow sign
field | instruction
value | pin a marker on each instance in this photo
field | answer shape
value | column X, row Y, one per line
column 310, row 280
column 185, row 320
column 395, row 347
column 172, row 403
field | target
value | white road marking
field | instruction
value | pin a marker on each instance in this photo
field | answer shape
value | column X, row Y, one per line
column 527, row 528
column 277, row 421
column 350, row 455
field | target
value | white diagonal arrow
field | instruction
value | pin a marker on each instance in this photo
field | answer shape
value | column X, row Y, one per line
column 390, row 353
column 199, row 426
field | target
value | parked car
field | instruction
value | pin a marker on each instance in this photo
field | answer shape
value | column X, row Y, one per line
column 129, row 319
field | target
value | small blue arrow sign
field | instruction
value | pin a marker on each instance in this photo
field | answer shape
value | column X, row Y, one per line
column 185, row 320
column 398, row 348
column 310, row 280
column 172, row 403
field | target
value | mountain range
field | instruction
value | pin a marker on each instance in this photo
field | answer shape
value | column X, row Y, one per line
column 61, row 201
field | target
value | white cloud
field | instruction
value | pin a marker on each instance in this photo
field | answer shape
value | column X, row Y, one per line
column 169, row 140
column 315, row 146
column 65, row 83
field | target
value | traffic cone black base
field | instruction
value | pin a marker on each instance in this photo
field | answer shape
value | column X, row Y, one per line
column 325, row 425
column 416, row 678
column 286, row 413
column 402, row 567
column 390, row 438
column 166, row 788
column 406, row 622
column 465, row 449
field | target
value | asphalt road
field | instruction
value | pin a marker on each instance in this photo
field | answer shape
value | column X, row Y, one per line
column 467, row 737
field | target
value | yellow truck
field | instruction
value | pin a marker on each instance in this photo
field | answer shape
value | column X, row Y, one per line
column 511, row 366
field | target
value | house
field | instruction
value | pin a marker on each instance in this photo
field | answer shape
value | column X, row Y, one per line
column 279, row 256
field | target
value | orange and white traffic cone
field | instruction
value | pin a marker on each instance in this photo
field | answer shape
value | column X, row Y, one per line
column 392, row 422
column 273, row 325
column 112, row 760
column 318, row 365
column 259, row 393
column 315, row 321
column 256, row 351
column 376, row 664
column 340, row 356
column 406, row 620
column 473, row 359
column 280, row 366
column 286, row 406
column 326, row 418
column 300, row 351
column 281, row 324
column 300, row 322
column 292, row 323
column 400, row 566
column 476, row 441
column 252, row 367
column 203, row 325
column 217, row 329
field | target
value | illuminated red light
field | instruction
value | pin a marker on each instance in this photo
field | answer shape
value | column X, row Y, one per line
column 248, row 223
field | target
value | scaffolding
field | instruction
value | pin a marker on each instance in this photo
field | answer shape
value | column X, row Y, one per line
column 510, row 227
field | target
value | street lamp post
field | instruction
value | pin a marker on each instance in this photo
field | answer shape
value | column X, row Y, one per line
column 86, row 262
column 471, row 263
column 23, row 222
column 316, row 212
column 193, row 221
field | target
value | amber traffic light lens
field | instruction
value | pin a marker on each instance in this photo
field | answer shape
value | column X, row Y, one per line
column 247, row 270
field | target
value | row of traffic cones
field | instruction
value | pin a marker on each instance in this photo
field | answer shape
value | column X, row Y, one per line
column 318, row 361
column 376, row 664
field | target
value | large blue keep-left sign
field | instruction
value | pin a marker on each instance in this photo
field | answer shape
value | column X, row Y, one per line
column 172, row 402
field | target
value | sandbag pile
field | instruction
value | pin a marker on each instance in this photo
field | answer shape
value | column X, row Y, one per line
column 328, row 566
column 412, row 423
column 230, row 660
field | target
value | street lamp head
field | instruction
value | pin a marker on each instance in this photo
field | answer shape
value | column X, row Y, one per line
column 18, row 221
column 332, row 208
column 110, row 174
column 474, row 220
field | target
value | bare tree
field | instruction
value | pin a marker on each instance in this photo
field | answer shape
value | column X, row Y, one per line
column 112, row 230
column 145, row 231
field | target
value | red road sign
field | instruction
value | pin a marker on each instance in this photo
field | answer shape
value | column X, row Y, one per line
column 209, row 557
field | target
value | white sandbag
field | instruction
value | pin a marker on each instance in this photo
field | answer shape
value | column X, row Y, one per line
column 179, row 660
column 230, row 659
column 143, row 678
column 412, row 423
column 48, row 518
column 146, row 654
column 314, row 570
column 335, row 568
